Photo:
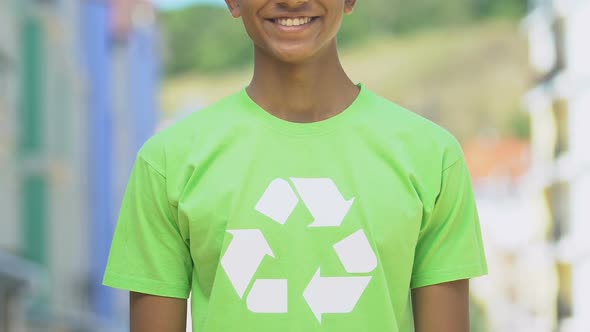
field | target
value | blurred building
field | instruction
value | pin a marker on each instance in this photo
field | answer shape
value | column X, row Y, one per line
column 78, row 84
column 559, row 106
column 519, row 292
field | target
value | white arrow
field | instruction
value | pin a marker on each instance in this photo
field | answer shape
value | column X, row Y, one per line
column 334, row 294
column 268, row 296
column 243, row 257
column 323, row 200
column 278, row 201
column 356, row 254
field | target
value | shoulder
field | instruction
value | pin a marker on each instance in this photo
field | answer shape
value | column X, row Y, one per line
column 419, row 137
column 175, row 142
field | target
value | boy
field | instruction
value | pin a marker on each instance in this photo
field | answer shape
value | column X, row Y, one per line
column 302, row 203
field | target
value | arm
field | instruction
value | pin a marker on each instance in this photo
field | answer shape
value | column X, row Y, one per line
column 149, row 313
column 442, row 307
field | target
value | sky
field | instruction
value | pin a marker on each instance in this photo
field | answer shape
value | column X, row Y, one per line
column 175, row 4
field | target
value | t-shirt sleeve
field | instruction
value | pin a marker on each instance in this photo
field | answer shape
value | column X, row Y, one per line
column 148, row 253
column 450, row 244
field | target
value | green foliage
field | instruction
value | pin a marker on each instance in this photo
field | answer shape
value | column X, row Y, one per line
column 206, row 38
column 478, row 321
column 519, row 125
column 500, row 8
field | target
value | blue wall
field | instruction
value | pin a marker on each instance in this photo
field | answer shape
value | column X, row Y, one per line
column 142, row 77
column 95, row 18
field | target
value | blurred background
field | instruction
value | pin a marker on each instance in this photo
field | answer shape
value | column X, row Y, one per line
column 83, row 83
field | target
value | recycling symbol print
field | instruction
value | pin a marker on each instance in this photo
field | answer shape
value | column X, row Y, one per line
column 323, row 294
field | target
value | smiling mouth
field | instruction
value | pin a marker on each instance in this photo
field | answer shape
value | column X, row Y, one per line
column 293, row 22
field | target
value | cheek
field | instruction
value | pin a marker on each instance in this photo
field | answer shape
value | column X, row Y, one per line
column 253, row 30
column 333, row 23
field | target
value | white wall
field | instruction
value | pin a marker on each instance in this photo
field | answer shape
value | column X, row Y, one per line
column 514, row 225
column 66, row 152
column 9, row 226
column 578, row 72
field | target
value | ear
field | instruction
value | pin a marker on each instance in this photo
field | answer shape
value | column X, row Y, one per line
column 349, row 6
column 234, row 7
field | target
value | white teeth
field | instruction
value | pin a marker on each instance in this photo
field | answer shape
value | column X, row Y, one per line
column 293, row 21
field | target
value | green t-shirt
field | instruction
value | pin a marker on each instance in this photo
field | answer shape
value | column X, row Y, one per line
column 283, row 226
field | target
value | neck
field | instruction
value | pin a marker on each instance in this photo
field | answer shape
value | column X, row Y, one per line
column 304, row 92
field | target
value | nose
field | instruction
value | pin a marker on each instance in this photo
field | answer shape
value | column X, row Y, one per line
column 292, row 3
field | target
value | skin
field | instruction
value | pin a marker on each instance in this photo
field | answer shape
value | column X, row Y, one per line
column 149, row 313
column 298, row 77
column 442, row 307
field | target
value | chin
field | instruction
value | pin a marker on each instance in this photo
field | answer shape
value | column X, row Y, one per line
column 293, row 58
column 294, row 55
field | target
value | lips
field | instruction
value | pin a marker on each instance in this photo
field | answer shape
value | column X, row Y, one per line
column 293, row 21
column 289, row 23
